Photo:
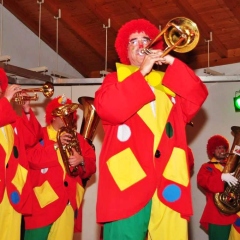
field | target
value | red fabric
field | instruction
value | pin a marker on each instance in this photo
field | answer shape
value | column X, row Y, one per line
column 3, row 80
column 23, row 133
column 117, row 103
column 209, row 179
column 43, row 156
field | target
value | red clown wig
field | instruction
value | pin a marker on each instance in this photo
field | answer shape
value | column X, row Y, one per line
column 3, row 80
column 216, row 141
column 55, row 103
column 135, row 26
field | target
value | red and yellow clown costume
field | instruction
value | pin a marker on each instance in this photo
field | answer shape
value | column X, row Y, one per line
column 209, row 178
column 53, row 188
column 16, row 133
column 144, row 154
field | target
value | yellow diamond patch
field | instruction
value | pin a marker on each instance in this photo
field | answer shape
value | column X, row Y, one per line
column 125, row 169
column 45, row 194
column 20, row 178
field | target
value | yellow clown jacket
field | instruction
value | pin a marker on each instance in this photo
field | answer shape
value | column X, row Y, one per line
column 145, row 147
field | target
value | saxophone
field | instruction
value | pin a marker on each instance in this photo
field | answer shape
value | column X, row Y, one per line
column 228, row 201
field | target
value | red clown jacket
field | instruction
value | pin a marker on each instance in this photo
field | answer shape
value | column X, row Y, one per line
column 52, row 188
column 145, row 147
column 14, row 167
column 209, row 179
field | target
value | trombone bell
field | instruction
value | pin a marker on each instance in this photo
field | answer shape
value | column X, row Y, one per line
column 180, row 34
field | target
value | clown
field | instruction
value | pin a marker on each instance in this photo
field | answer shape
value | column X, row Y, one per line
column 57, row 196
column 16, row 134
column 211, row 179
column 144, row 178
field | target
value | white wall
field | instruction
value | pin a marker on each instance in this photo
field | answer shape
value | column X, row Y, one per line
column 23, row 47
column 216, row 116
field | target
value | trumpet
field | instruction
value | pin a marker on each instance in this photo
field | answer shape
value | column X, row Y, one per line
column 180, row 34
column 47, row 89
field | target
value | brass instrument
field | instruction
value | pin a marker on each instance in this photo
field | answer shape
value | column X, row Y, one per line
column 66, row 113
column 180, row 34
column 90, row 119
column 228, row 202
column 47, row 89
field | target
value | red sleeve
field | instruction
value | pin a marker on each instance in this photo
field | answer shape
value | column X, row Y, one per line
column 32, row 129
column 184, row 82
column 7, row 113
column 89, row 157
column 116, row 101
column 42, row 154
column 209, row 178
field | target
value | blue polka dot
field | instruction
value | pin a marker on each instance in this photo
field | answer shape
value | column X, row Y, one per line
column 172, row 193
column 237, row 222
column 15, row 198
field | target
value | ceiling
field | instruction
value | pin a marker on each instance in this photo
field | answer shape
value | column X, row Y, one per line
column 84, row 24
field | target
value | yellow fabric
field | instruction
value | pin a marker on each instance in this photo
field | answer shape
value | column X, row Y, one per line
column 176, row 169
column 62, row 228
column 166, row 223
column 45, row 194
column 125, row 169
column 234, row 234
column 7, row 140
column 154, row 121
column 10, row 220
column 52, row 134
column 20, row 178
column 79, row 194
column 218, row 166
column 154, row 78
column 154, row 116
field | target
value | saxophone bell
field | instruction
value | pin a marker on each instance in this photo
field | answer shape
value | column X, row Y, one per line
column 90, row 119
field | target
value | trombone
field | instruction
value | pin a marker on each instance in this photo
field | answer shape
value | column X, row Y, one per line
column 47, row 89
column 180, row 34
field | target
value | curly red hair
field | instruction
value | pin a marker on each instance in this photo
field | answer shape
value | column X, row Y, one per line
column 55, row 103
column 3, row 80
column 133, row 26
column 215, row 141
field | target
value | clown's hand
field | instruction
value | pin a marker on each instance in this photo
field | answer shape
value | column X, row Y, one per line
column 229, row 178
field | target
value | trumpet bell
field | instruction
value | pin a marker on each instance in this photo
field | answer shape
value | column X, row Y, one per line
column 182, row 27
column 47, row 89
